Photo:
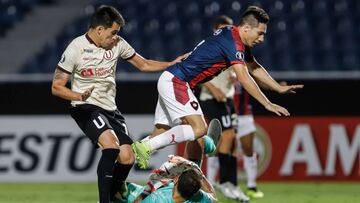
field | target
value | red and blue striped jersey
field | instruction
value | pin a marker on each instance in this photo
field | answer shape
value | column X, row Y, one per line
column 211, row 56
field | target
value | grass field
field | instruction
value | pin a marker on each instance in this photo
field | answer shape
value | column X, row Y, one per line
column 274, row 193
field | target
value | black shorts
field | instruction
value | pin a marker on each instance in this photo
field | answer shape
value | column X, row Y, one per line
column 94, row 120
column 224, row 111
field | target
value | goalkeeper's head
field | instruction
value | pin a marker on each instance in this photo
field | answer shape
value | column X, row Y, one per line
column 189, row 183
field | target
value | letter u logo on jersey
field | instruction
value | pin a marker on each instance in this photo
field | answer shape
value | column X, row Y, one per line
column 102, row 122
column 226, row 121
column 108, row 55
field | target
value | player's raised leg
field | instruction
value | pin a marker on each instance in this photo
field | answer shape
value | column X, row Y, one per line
column 194, row 150
column 175, row 135
column 177, row 106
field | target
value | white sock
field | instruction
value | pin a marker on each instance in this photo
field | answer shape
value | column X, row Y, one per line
column 175, row 135
column 146, row 138
column 250, row 165
column 212, row 169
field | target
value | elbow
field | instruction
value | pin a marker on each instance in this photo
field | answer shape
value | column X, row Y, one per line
column 243, row 78
column 143, row 68
column 54, row 90
column 246, row 82
column 146, row 68
column 150, row 66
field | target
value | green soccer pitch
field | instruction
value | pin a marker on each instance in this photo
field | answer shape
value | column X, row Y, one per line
column 324, row 192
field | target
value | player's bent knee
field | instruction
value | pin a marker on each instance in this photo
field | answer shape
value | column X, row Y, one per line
column 127, row 160
column 126, row 155
column 248, row 151
column 199, row 131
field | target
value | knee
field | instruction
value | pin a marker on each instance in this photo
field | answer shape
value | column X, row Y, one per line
column 129, row 161
column 126, row 156
column 199, row 130
column 247, row 149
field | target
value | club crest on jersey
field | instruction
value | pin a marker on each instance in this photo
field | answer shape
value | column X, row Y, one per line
column 195, row 105
column 240, row 55
column 62, row 60
column 217, row 32
column 108, row 55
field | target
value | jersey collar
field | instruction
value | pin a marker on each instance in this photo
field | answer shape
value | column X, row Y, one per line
column 89, row 39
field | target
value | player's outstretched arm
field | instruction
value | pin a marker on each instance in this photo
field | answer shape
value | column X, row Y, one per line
column 147, row 65
column 215, row 91
column 265, row 80
column 182, row 164
column 208, row 188
column 59, row 89
column 253, row 89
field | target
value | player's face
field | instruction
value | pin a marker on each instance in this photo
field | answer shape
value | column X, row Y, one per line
column 256, row 35
column 108, row 36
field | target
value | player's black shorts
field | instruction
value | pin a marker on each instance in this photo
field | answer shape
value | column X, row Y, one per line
column 94, row 120
column 224, row 111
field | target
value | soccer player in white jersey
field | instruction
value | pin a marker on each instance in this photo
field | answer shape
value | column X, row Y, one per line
column 89, row 62
column 246, row 130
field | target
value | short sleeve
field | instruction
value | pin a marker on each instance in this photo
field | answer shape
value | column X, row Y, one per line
column 69, row 58
column 126, row 51
column 233, row 53
column 234, row 49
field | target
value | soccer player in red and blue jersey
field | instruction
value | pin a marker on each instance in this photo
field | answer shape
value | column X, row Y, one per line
column 178, row 116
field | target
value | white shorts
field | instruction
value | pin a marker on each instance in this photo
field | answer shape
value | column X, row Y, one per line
column 246, row 125
column 175, row 101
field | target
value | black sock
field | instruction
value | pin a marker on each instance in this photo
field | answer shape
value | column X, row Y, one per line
column 232, row 169
column 223, row 161
column 105, row 173
column 121, row 172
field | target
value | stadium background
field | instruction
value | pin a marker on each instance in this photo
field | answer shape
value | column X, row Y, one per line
column 311, row 42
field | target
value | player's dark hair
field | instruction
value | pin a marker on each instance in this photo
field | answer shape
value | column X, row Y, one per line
column 106, row 16
column 253, row 16
column 189, row 183
column 222, row 20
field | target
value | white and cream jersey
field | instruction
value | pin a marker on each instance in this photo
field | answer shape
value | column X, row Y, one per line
column 94, row 66
column 223, row 82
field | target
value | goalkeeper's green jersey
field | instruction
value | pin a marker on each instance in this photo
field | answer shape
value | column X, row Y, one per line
column 163, row 195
